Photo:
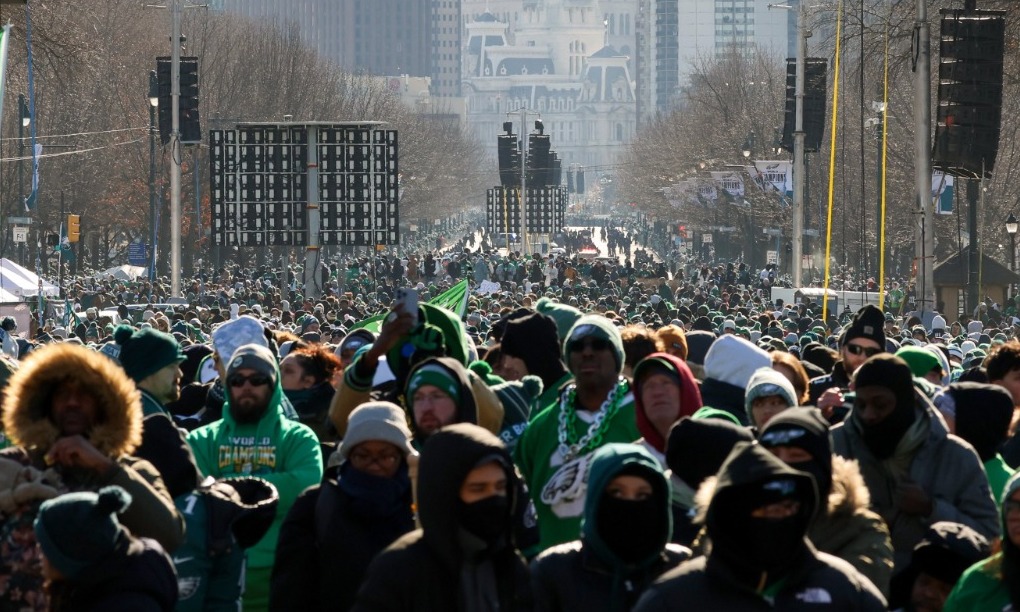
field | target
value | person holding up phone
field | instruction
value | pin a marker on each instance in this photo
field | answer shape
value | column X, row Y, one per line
column 409, row 336
column 864, row 338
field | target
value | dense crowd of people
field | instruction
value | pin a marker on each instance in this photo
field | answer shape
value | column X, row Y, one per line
column 635, row 432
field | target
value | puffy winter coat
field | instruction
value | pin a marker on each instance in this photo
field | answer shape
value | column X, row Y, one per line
column 946, row 467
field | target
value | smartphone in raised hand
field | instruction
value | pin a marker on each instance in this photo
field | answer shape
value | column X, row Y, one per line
column 407, row 301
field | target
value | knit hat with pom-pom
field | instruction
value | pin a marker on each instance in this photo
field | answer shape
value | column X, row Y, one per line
column 518, row 398
column 77, row 531
column 146, row 351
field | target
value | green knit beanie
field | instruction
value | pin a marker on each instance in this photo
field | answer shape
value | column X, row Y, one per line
column 146, row 351
column 565, row 316
column 595, row 326
column 435, row 375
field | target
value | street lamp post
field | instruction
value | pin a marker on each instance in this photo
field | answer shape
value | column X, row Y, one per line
column 153, row 104
column 1011, row 227
column 26, row 119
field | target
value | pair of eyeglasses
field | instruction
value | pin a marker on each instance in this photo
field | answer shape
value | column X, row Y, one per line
column 596, row 344
column 256, row 380
column 856, row 349
column 363, row 460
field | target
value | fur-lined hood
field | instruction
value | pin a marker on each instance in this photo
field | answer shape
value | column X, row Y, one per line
column 848, row 496
column 26, row 407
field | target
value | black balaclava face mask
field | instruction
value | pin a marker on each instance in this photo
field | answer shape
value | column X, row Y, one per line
column 894, row 374
column 773, row 545
column 759, row 551
column 633, row 530
column 488, row 519
column 805, row 428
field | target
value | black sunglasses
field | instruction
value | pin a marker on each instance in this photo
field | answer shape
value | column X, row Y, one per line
column 856, row 349
column 596, row 344
column 256, row 380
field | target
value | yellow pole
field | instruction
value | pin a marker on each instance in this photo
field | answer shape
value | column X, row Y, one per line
column 885, row 151
column 832, row 162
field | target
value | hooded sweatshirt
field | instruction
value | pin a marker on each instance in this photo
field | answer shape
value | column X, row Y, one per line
column 690, row 396
column 282, row 451
column 467, row 410
column 589, row 574
column 734, row 576
column 441, row 566
column 442, row 335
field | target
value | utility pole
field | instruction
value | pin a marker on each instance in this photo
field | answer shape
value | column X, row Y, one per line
column 175, row 150
column 22, row 116
column 799, row 173
column 312, row 250
column 924, row 227
column 153, row 96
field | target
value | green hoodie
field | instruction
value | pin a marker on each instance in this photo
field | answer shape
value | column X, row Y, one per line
column 283, row 452
column 607, row 462
column 982, row 586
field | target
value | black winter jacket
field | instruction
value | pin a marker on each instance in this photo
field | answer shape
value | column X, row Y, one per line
column 822, row 582
column 423, row 570
column 589, row 579
column 139, row 578
column 331, row 535
column 728, row 579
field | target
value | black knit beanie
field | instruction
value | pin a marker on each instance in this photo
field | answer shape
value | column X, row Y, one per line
column 535, row 340
column 696, row 448
column 983, row 415
column 869, row 322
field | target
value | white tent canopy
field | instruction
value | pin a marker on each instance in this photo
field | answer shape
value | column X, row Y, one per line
column 17, row 283
column 124, row 272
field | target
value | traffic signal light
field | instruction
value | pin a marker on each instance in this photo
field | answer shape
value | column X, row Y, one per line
column 191, row 130
column 73, row 228
column 509, row 161
column 539, row 160
column 969, row 117
column 165, row 98
column 189, row 125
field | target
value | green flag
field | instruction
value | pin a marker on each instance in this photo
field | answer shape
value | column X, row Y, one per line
column 453, row 299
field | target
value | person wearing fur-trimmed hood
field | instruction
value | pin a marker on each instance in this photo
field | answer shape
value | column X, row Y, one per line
column 75, row 410
column 844, row 527
column 760, row 559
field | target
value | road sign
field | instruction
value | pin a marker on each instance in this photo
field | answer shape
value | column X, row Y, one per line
column 138, row 254
column 20, row 234
column 19, row 220
column 706, row 238
column 772, row 257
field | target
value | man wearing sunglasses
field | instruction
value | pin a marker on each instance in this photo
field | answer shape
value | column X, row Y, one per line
column 555, row 451
column 254, row 438
column 864, row 338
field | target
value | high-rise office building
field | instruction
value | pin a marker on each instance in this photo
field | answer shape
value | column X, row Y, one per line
column 419, row 38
